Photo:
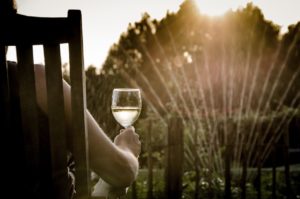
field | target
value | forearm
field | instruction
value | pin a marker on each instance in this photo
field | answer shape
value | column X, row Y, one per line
column 116, row 166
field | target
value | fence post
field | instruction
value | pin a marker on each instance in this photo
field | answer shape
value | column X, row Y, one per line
column 227, row 172
column 274, row 171
column 258, row 176
column 244, row 173
column 174, row 168
column 228, row 153
column 286, row 161
column 133, row 190
column 196, row 161
column 150, row 164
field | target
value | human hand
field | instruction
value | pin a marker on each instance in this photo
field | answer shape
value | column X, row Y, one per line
column 129, row 140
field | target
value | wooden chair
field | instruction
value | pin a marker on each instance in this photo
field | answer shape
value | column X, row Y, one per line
column 22, row 149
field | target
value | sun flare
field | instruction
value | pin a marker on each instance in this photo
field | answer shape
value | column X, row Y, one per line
column 217, row 7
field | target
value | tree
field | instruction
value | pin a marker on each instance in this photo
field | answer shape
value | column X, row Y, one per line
column 171, row 58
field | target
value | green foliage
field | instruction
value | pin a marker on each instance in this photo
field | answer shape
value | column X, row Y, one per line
column 214, row 188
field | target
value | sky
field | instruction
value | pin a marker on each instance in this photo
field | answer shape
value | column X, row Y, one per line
column 105, row 20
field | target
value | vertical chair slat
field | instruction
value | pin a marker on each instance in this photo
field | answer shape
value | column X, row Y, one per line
column 56, row 116
column 5, row 114
column 29, row 115
column 77, row 76
column 4, row 92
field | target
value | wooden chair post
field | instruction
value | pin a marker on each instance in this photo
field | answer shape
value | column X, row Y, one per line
column 77, row 76
column 4, row 92
column 29, row 117
column 56, row 117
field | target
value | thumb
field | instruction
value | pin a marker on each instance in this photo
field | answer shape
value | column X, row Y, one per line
column 122, row 130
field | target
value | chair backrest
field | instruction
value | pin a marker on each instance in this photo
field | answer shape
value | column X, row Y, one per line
column 24, row 32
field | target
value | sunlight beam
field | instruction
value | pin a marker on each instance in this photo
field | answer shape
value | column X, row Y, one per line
column 217, row 7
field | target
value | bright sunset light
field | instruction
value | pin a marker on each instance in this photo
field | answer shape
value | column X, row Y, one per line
column 217, row 7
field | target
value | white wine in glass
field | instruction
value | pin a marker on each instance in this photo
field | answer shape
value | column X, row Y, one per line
column 126, row 105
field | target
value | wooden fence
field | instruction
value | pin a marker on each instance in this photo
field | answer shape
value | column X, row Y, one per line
column 174, row 168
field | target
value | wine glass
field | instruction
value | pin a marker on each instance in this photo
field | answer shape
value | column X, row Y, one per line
column 126, row 108
column 126, row 105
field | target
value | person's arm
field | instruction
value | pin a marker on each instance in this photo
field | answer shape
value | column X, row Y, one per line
column 116, row 163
